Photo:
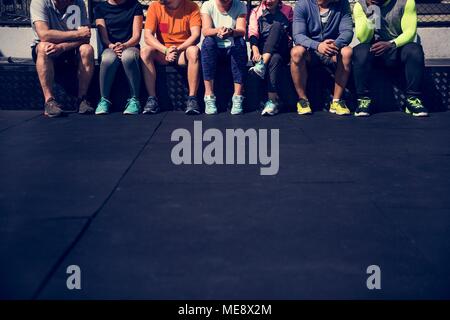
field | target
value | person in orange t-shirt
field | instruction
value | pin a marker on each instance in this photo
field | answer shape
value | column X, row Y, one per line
column 172, row 31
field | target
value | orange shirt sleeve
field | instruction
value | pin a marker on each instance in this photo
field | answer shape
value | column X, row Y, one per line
column 194, row 19
column 151, row 21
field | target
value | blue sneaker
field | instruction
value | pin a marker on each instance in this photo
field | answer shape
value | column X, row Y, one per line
column 270, row 108
column 103, row 106
column 237, row 105
column 259, row 68
column 210, row 105
column 133, row 106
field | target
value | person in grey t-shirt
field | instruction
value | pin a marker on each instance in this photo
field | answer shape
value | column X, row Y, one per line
column 62, row 35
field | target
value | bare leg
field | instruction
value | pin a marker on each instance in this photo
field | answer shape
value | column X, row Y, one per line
column 299, row 71
column 148, row 56
column 45, row 70
column 209, row 87
column 85, row 69
column 192, row 55
column 344, row 62
column 238, row 89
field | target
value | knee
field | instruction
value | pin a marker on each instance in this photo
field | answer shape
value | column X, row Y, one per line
column 86, row 52
column 109, row 57
column 192, row 54
column 414, row 52
column 208, row 42
column 361, row 53
column 147, row 53
column 275, row 60
column 346, row 53
column 130, row 55
column 41, row 48
column 298, row 53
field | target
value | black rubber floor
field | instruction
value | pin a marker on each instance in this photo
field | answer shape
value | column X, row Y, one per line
column 103, row 193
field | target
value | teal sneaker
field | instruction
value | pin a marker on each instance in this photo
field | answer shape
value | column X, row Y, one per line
column 210, row 105
column 259, row 68
column 103, row 106
column 270, row 108
column 133, row 106
column 415, row 107
column 236, row 107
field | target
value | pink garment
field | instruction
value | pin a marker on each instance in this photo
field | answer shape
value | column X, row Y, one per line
column 257, row 12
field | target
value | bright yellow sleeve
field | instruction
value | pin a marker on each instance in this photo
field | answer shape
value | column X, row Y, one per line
column 363, row 29
column 408, row 24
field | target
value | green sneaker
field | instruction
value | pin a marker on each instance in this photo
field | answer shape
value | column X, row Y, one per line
column 133, row 106
column 270, row 108
column 210, row 105
column 236, row 107
column 103, row 106
column 363, row 109
column 259, row 68
column 415, row 107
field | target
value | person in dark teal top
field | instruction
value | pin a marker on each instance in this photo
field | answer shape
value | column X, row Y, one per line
column 386, row 30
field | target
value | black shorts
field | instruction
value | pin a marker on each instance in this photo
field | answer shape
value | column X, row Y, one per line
column 316, row 58
column 70, row 57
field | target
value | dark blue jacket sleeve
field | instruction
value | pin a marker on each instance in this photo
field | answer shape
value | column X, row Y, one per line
column 345, row 26
column 300, row 28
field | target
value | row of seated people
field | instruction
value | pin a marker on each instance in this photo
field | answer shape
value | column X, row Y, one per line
column 313, row 32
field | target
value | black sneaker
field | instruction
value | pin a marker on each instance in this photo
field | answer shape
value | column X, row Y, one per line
column 53, row 108
column 363, row 109
column 415, row 107
column 151, row 106
column 84, row 106
column 192, row 107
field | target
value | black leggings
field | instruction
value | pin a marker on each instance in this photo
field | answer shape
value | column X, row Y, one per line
column 410, row 56
column 277, row 44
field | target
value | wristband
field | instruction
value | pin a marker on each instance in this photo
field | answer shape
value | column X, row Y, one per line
column 165, row 51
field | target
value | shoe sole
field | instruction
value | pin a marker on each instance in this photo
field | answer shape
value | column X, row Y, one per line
column 269, row 113
column 420, row 114
column 338, row 113
column 236, row 113
column 211, row 113
column 362, row 114
column 192, row 112
column 302, row 113
column 53, row 115
column 130, row 113
column 101, row 113
column 150, row 112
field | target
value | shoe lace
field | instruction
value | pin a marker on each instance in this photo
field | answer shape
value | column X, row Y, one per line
column 304, row 103
column 209, row 103
column 415, row 102
column 364, row 103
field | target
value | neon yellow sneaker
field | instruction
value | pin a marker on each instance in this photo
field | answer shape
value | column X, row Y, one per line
column 303, row 107
column 339, row 108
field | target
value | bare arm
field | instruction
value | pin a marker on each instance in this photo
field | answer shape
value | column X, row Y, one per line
column 192, row 40
column 152, row 41
column 56, row 36
column 207, row 26
column 137, row 31
column 101, row 27
column 239, row 31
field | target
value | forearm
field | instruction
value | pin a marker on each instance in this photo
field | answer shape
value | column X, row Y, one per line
column 191, row 41
column 132, row 42
column 72, row 45
column 151, row 41
column 55, row 36
column 238, row 32
column 210, row 32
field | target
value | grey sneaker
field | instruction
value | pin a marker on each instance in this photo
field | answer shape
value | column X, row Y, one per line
column 151, row 106
column 53, row 108
column 85, row 107
column 192, row 107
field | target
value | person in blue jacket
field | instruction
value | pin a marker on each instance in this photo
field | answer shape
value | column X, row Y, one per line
column 322, row 31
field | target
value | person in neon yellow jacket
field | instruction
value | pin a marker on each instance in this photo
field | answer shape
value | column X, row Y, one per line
column 387, row 32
